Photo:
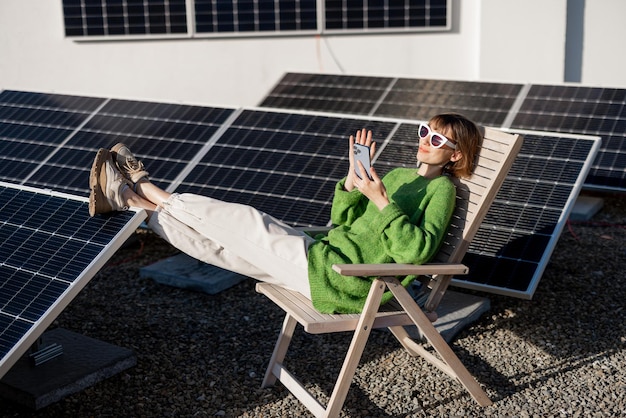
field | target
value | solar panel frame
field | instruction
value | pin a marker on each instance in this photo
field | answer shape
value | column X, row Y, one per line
column 57, row 250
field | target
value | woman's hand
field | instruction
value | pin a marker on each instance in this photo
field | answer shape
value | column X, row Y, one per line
column 363, row 137
column 373, row 188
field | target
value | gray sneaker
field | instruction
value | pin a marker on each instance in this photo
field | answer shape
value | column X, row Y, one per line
column 129, row 166
column 106, row 184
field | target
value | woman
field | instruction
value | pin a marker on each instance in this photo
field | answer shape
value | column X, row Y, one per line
column 401, row 218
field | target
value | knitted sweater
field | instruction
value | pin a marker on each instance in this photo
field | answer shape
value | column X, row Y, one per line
column 408, row 230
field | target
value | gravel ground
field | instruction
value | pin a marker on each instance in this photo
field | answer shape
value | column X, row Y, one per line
column 561, row 354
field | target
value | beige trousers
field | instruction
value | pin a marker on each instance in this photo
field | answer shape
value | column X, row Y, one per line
column 235, row 237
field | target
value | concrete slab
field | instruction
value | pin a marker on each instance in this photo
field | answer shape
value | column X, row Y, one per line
column 85, row 361
column 585, row 208
column 186, row 272
column 456, row 311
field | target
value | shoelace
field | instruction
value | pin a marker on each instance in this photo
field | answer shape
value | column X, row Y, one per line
column 132, row 165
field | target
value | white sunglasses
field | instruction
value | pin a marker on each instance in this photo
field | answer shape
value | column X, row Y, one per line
column 437, row 140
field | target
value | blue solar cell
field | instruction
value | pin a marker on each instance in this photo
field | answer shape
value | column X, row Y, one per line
column 12, row 329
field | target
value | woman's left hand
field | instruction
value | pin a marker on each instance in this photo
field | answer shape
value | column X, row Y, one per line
column 373, row 189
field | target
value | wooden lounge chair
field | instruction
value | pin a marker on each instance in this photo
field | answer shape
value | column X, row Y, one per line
column 474, row 196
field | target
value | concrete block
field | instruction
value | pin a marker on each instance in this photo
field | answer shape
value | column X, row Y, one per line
column 455, row 312
column 186, row 272
column 85, row 361
column 585, row 208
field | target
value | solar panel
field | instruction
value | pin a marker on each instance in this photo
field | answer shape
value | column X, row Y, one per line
column 49, row 140
column 253, row 16
column 84, row 18
column 51, row 248
column 584, row 110
column 485, row 103
column 375, row 15
column 515, row 241
column 33, row 126
column 328, row 93
column 285, row 164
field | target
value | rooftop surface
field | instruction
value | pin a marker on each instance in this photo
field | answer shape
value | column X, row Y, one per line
column 562, row 353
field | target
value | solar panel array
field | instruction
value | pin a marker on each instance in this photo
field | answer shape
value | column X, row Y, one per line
column 572, row 109
column 50, row 249
column 120, row 18
column 283, row 162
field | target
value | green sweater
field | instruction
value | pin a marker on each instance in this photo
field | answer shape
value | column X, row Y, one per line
column 408, row 230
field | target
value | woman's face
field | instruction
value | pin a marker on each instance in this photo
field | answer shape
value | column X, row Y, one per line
column 427, row 154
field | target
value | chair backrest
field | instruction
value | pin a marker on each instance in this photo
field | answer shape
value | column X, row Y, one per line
column 475, row 195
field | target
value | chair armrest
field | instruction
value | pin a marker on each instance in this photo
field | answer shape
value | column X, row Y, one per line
column 393, row 269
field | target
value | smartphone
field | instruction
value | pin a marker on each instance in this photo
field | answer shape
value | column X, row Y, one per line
column 362, row 154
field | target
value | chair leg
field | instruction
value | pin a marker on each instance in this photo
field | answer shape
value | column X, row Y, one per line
column 280, row 349
column 450, row 363
column 355, row 351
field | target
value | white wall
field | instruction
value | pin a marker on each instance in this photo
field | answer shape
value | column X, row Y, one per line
column 523, row 41
column 604, row 59
column 492, row 40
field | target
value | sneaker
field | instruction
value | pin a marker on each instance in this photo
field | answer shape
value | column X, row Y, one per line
column 106, row 184
column 129, row 166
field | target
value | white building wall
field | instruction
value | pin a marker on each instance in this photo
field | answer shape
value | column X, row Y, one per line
column 604, row 52
column 492, row 40
column 523, row 41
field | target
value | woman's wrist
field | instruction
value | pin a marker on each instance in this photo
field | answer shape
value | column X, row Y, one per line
column 348, row 184
column 381, row 203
